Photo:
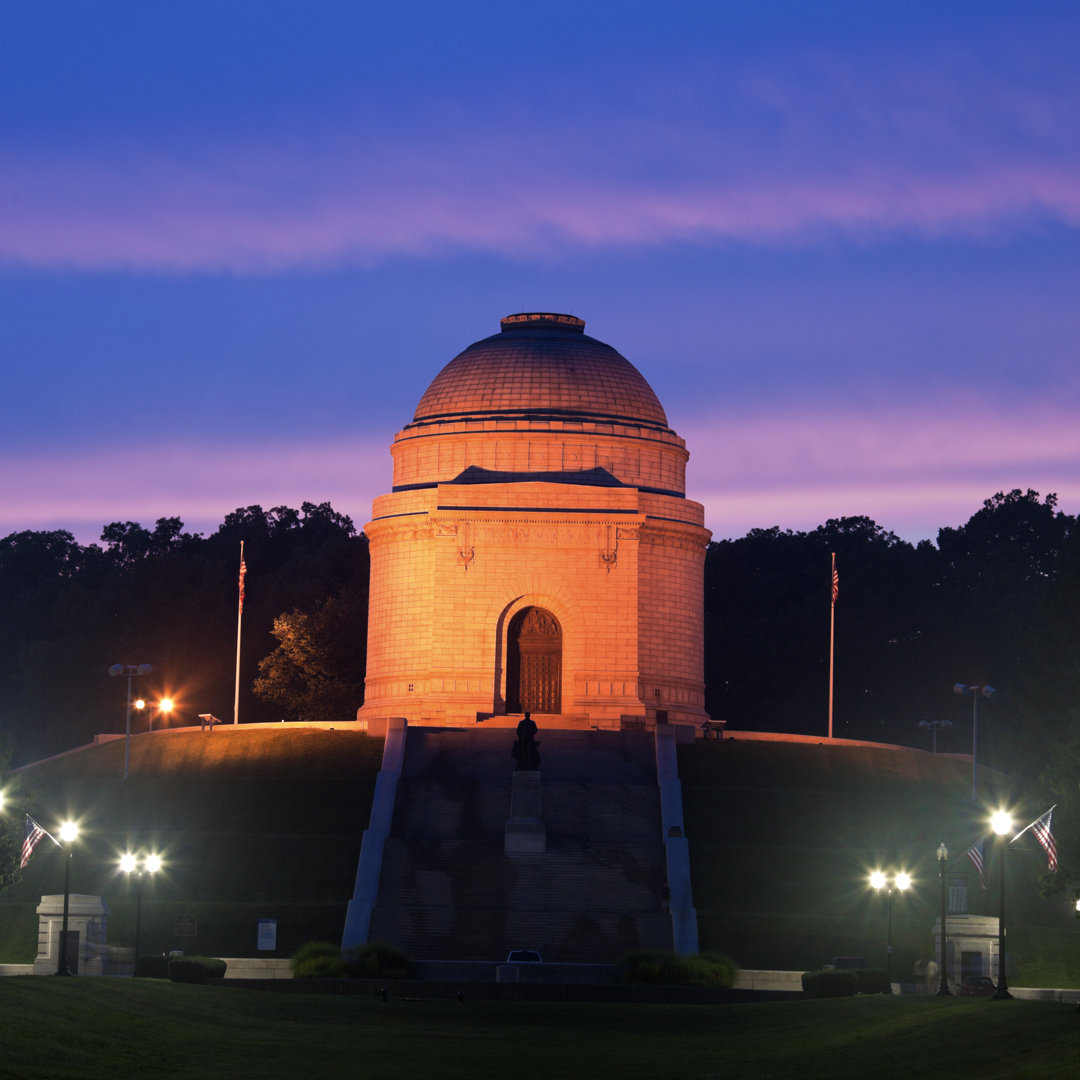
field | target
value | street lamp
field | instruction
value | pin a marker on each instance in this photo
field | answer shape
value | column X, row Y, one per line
column 1001, row 823
column 129, row 671
column 900, row 882
column 933, row 725
column 69, row 831
column 165, row 706
column 974, row 692
column 134, row 864
column 943, row 859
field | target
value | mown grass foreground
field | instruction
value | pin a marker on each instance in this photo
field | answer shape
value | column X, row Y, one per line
column 104, row 1028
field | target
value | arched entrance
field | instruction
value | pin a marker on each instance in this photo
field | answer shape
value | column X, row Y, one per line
column 534, row 662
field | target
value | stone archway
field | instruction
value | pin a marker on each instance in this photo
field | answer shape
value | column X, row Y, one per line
column 534, row 662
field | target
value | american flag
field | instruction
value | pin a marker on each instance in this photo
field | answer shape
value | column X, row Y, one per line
column 243, row 571
column 34, row 832
column 1041, row 829
column 975, row 854
column 835, row 581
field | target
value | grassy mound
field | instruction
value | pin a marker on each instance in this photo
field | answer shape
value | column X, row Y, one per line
column 783, row 837
column 251, row 824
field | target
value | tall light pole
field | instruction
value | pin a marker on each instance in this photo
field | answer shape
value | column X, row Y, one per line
column 1001, row 823
column 129, row 671
column 138, row 865
column 900, row 882
column 69, row 831
column 943, row 859
column 934, row 725
column 974, row 692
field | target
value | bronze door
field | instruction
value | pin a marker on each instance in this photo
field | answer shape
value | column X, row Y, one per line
column 534, row 668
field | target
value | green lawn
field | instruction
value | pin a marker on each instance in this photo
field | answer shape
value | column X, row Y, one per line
column 87, row 1029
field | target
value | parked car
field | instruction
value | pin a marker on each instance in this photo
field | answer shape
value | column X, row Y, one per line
column 523, row 956
column 977, row 986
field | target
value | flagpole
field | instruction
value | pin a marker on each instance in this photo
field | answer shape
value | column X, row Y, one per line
column 239, row 619
column 832, row 634
column 1035, row 822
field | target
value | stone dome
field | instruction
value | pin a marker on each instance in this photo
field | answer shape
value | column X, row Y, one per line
column 541, row 366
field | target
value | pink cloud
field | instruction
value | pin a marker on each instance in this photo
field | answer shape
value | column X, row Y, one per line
column 911, row 469
column 877, row 146
column 245, row 215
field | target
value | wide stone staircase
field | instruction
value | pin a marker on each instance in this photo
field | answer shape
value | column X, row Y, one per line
column 449, row 892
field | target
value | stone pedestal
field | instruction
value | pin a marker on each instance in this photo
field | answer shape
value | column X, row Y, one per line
column 525, row 831
column 971, row 946
column 88, row 918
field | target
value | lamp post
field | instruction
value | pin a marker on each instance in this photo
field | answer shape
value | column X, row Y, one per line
column 974, row 692
column 1001, row 823
column 933, row 725
column 129, row 671
column 900, row 882
column 69, row 831
column 134, row 864
column 943, row 859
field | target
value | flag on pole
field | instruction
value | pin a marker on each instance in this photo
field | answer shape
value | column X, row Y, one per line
column 835, row 581
column 975, row 854
column 34, row 832
column 243, row 571
column 1041, row 828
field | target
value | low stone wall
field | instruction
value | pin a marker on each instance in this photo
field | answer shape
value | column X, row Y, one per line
column 257, row 967
column 790, row 981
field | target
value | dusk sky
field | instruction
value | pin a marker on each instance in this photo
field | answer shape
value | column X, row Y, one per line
column 239, row 239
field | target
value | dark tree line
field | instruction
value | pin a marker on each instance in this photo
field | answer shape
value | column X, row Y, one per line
column 167, row 598
column 994, row 603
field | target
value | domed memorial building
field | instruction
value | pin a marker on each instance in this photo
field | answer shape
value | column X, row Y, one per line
column 537, row 551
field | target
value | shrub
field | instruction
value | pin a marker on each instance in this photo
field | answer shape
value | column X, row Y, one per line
column 824, row 984
column 376, row 961
column 318, row 960
column 669, row 969
column 196, row 969
column 324, row 960
column 153, row 967
column 872, row 981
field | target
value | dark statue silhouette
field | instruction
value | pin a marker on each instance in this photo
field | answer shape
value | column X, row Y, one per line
column 526, row 747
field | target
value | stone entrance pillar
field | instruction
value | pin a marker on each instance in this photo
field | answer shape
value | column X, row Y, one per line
column 88, row 918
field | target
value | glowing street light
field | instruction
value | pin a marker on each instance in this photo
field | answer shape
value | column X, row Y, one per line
column 139, row 865
column 1001, row 823
column 900, row 882
column 974, row 692
column 69, row 833
column 129, row 672
column 165, row 706
column 943, row 859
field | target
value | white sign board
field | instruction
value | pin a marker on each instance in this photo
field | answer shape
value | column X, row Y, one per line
column 267, row 935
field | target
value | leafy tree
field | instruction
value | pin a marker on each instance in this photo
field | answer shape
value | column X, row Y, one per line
column 317, row 670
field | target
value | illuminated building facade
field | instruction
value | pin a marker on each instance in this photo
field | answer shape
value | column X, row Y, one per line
column 537, row 551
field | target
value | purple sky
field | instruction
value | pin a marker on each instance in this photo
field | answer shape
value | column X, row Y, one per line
column 237, row 240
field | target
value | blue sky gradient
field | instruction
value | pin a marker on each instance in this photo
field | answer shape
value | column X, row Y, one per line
column 238, row 239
